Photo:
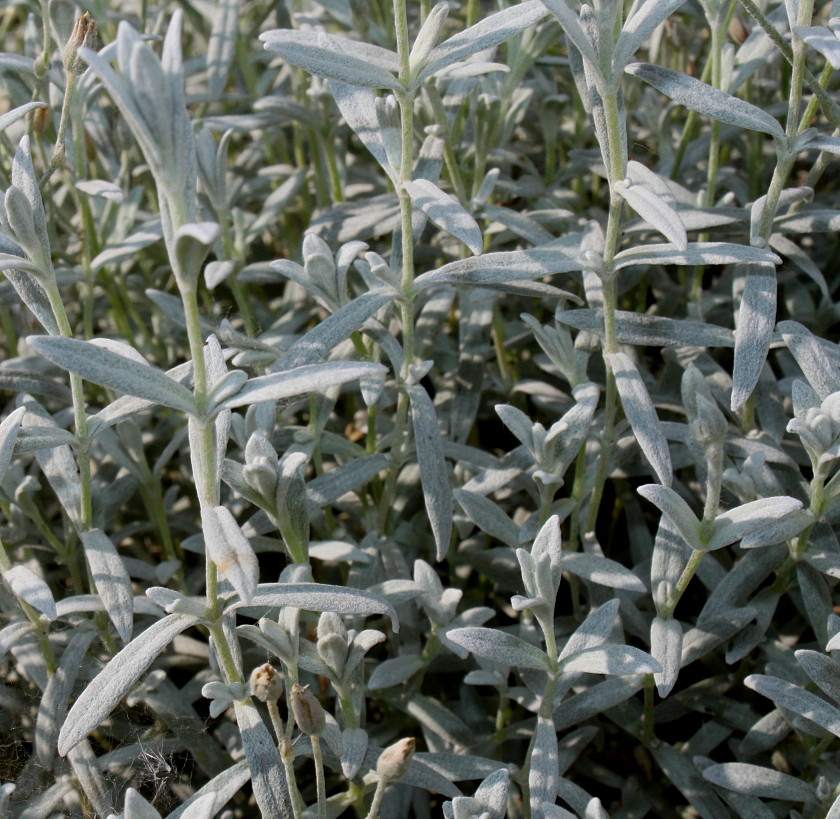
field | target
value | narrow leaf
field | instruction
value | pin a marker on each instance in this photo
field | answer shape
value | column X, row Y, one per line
column 335, row 58
column 445, row 212
column 230, row 550
column 102, row 694
column 796, row 699
column 103, row 367
column 301, row 380
column 756, row 318
column 677, row 510
column 500, row 646
column 666, row 648
column 545, row 771
column 695, row 254
column 641, row 414
column 706, row 99
column 612, row 660
column 638, row 27
column 321, row 597
column 111, row 580
column 30, row 588
column 731, row 526
column 756, row 780
column 489, row 32
column 656, row 212
column 222, row 46
column 434, row 474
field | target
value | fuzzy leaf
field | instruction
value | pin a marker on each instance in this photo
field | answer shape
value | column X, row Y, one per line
column 639, row 26
column 487, row 33
column 434, row 474
column 612, row 660
column 321, row 597
column 731, row 526
column 222, row 46
column 756, row 318
column 798, row 700
column 500, row 646
column 756, row 780
column 697, row 253
column 641, row 414
column 299, row 381
column 230, row 550
column 30, row 588
column 648, row 203
column 111, row 580
column 666, row 648
column 706, row 99
column 445, row 212
column 335, row 58
column 544, row 773
column 103, row 367
column 677, row 510
column 102, row 694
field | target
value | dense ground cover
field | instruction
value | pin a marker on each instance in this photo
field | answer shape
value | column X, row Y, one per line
column 455, row 380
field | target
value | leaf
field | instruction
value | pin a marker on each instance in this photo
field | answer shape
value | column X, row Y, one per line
column 756, row 317
column 30, row 588
column 301, row 380
column 394, row 671
column 102, row 694
column 321, row 597
column 488, row 517
column 317, row 343
column 230, row 550
column 103, row 367
column 222, row 46
column 111, row 580
column 601, row 570
column 796, row 699
column 594, row 631
column 823, row 670
column 514, row 265
column 8, row 435
column 666, row 638
column 731, row 526
column 821, row 39
column 434, row 474
column 818, row 368
column 445, row 212
column 756, row 780
column 358, row 107
column 697, row 253
column 336, row 58
column 487, row 33
column 641, row 414
column 677, row 510
column 654, row 210
column 544, row 772
column 11, row 117
column 612, row 660
column 649, row 330
column 570, row 23
column 99, row 187
column 267, row 777
column 53, row 707
column 500, row 646
column 638, row 27
column 707, row 100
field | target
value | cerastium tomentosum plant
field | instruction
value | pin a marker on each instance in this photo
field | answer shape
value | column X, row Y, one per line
column 346, row 507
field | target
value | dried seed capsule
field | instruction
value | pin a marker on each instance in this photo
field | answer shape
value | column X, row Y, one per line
column 266, row 683
column 394, row 760
column 308, row 712
column 85, row 34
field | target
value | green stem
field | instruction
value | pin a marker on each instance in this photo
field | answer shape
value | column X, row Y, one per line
column 682, row 584
column 320, row 783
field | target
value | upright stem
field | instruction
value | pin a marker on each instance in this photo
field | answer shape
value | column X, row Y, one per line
column 320, row 783
column 406, row 105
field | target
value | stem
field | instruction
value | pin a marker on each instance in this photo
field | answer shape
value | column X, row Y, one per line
column 682, row 584
column 320, row 783
column 373, row 813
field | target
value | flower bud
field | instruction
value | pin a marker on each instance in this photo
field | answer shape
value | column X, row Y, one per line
column 85, row 35
column 266, row 683
column 394, row 760
column 308, row 712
